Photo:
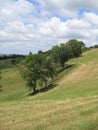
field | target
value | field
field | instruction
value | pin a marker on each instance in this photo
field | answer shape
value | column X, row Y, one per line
column 71, row 105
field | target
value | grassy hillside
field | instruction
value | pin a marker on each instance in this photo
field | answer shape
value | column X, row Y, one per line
column 13, row 86
column 80, row 82
column 5, row 64
column 71, row 105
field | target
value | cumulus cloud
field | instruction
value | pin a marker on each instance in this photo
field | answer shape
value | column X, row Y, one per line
column 29, row 25
column 67, row 8
column 14, row 10
column 91, row 18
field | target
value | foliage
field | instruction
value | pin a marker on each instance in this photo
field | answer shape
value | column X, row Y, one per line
column 11, row 56
column 76, row 47
column 14, row 85
column 38, row 69
column 64, row 52
column 95, row 46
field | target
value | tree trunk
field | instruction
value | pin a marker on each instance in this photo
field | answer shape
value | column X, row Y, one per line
column 34, row 87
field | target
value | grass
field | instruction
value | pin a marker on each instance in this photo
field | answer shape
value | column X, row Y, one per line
column 5, row 64
column 80, row 81
column 71, row 105
column 13, row 86
column 74, row 114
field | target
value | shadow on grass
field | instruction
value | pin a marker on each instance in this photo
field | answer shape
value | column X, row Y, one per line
column 45, row 89
column 65, row 68
column 53, row 84
column 1, row 89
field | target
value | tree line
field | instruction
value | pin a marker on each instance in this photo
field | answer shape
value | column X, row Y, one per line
column 40, row 69
column 11, row 59
column 11, row 56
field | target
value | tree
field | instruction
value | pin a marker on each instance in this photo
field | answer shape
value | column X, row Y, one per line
column 38, row 69
column 61, row 53
column 76, row 46
column 95, row 46
column 65, row 54
column 55, row 53
column 31, row 70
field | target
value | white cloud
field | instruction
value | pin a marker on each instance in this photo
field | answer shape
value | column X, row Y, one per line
column 91, row 18
column 67, row 8
column 50, row 32
column 53, row 27
column 29, row 26
column 60, row 7
column 15, row 10
column 16, row 26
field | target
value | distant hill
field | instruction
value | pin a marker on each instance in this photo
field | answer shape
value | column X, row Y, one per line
column 8, row 61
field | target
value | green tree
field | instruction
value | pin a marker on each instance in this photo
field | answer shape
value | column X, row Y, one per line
column 76, row 46
column 61, row 53
column 55, row 53
column 38, row 69
column 65, row 54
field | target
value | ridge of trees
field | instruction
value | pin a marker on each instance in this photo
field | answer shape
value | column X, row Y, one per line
column 11, row 56
column 40, row 69
column 7, row 61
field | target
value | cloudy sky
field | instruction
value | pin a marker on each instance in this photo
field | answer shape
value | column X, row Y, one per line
column 32, row 25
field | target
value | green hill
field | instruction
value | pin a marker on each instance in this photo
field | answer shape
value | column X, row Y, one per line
column 71, row 105
column 13, row 86
column 5, row 64
column 82, row 81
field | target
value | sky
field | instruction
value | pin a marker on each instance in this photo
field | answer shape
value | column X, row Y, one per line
column 32, row 25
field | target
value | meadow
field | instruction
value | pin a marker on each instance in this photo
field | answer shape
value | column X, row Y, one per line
column 71, row 105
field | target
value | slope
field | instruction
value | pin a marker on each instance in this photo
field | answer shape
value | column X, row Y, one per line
column 82, row 81
column 13, row 86
column 71, row 105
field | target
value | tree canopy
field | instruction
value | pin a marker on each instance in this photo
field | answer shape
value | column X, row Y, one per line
column 41, row 68
column 38, row 69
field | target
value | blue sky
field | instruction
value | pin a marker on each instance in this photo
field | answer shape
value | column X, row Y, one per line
column 32, row 25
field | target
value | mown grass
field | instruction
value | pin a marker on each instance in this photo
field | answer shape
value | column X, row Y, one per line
column 74, row 114
column 5, row 64
column 13, row 85
column 71, row 105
